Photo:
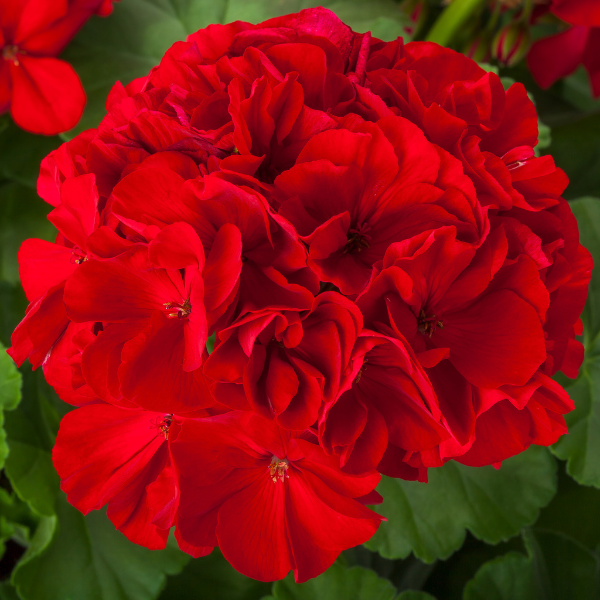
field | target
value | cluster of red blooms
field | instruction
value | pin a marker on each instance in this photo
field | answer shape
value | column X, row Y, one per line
column 42, row 92
column 391, row 274
column 557, row 56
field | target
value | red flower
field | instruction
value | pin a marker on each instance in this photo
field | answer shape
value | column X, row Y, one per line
column 386, row 414
column 158, row 316
column 476, row 320
column 44, row 267
column 251, row 252
column 280, row 186
column 577, row 12
column 243, row 478
column 284, row 364
column 353, row 193
column 104, row 454
column 557, row 56
column 43, row 93
column 468, row 113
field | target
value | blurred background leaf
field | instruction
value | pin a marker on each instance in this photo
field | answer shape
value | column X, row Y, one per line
column 217, row 580
column 355, row 583
column 431, row 519
column 31, row 431
column 85, row 558
column 557, row 567
column 10, row 395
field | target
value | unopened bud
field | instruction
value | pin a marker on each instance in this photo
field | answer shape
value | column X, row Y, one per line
column 511, row 43
column 416, row 11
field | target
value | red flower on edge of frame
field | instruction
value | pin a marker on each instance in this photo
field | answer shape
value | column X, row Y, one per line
column 42, row 92
column 557, row 56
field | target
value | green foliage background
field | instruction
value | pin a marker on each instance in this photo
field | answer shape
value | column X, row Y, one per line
column 530, row 530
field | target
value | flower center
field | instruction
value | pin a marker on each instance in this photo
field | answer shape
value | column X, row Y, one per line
column 427, row 325
column 363, row 368
column 162, row 425
column 78, row 256
column 513, row 166
column 278, row 469
column 357, row 239
column 9, row 52
column 182, row 309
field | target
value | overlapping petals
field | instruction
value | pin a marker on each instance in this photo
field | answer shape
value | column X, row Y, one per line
column 242, row 477
column 390, row 274
column 557, row 56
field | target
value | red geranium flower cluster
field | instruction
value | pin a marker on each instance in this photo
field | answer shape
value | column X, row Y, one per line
column 390, row 273
column 43, row 93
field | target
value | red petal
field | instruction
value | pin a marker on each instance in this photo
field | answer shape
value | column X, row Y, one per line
column 177, row 246
column 119, row 289
column 48, row 97
column 5, row 83
column 43, row 265
column 223, row 269
column 321, row 523
column 577, row 12
column 37, row 16
column 129, row 512
column 76, row 216
column 256, row 513
column 152, row 374
column 591, row 59
column 497, row 340
column 557, row 56
column 100, row 449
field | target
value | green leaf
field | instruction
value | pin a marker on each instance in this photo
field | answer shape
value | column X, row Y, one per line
column 581, row 446
column 7, row 591
column 217, row 579
column 576, row 90
column 31, row 431
column 16, row 520
column 431, row 519
column 138, row 33
column 356, row 583
column 210, row 343
column 73, row 557
column 412, row 595
column 10, row 395
column 11, row 382
column 22, row 153
column 556, row 568
column 12, row 309
column 575, row 149
column 508, row 577
column 573, row 511
column 22, row 215
column 587, row 212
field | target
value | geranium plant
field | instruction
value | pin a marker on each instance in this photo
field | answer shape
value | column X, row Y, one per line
column 309, row 289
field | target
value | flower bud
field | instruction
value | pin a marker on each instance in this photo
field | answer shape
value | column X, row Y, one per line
column 416, row 12
column 511, row 43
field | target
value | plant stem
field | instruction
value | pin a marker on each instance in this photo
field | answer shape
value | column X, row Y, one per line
column 451, row 21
